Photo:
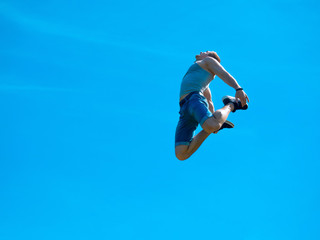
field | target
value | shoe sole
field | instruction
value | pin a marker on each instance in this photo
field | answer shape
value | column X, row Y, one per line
column 229, row 123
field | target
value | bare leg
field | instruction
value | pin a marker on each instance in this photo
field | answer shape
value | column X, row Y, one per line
column 211, row 125
column 183, row 152
column 214, row 123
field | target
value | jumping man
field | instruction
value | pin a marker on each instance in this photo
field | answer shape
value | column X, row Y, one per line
column 196, row 106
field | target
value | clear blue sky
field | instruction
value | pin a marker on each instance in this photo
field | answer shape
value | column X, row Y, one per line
column 89, row 105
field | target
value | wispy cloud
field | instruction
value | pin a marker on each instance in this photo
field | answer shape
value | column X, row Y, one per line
column 11, row 83
column 72, row 32
column 33, row 88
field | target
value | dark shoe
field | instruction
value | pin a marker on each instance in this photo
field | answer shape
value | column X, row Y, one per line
column 226, row 124
column 237, row 105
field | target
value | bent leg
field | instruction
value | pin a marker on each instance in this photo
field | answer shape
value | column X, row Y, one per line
column 183, row 152
column 191, row 113
column 215, row 122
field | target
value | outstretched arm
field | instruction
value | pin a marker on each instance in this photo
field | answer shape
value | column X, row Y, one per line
column 215, row 67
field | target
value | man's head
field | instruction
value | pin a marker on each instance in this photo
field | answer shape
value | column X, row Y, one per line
column 203, row 55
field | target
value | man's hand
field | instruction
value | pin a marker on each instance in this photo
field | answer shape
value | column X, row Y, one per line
column 242, row 96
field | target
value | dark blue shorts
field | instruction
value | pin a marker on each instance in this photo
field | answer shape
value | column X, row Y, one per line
column 193, row 110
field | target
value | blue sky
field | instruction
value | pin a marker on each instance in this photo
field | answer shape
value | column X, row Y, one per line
column 89, row 100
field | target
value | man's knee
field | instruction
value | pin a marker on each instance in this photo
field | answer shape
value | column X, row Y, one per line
column 182, row 156
column 211, row 125
column 181, row 152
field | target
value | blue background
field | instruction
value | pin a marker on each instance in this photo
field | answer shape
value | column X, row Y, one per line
column 89, row 105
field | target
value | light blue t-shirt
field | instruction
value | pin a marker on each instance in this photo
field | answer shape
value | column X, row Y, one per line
column 196, row 79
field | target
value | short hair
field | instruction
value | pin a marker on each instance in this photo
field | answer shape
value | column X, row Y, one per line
column 214, row 55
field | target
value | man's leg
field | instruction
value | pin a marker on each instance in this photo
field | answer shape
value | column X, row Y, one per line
column 211, row 125
column 215, row 122
column 183, row 152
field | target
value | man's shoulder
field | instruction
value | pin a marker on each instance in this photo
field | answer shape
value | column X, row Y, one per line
column 209, row 59
column 203, row 63
column 206, row 62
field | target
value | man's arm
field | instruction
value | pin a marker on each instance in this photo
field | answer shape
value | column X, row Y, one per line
column 215, row 67
column 207, row 95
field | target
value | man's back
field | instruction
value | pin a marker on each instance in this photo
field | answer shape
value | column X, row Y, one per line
column 196, row 79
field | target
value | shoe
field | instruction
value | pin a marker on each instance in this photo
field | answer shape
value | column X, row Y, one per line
column 226, row 124
column 237, row 105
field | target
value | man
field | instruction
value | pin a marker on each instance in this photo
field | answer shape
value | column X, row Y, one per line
column 196, row 106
